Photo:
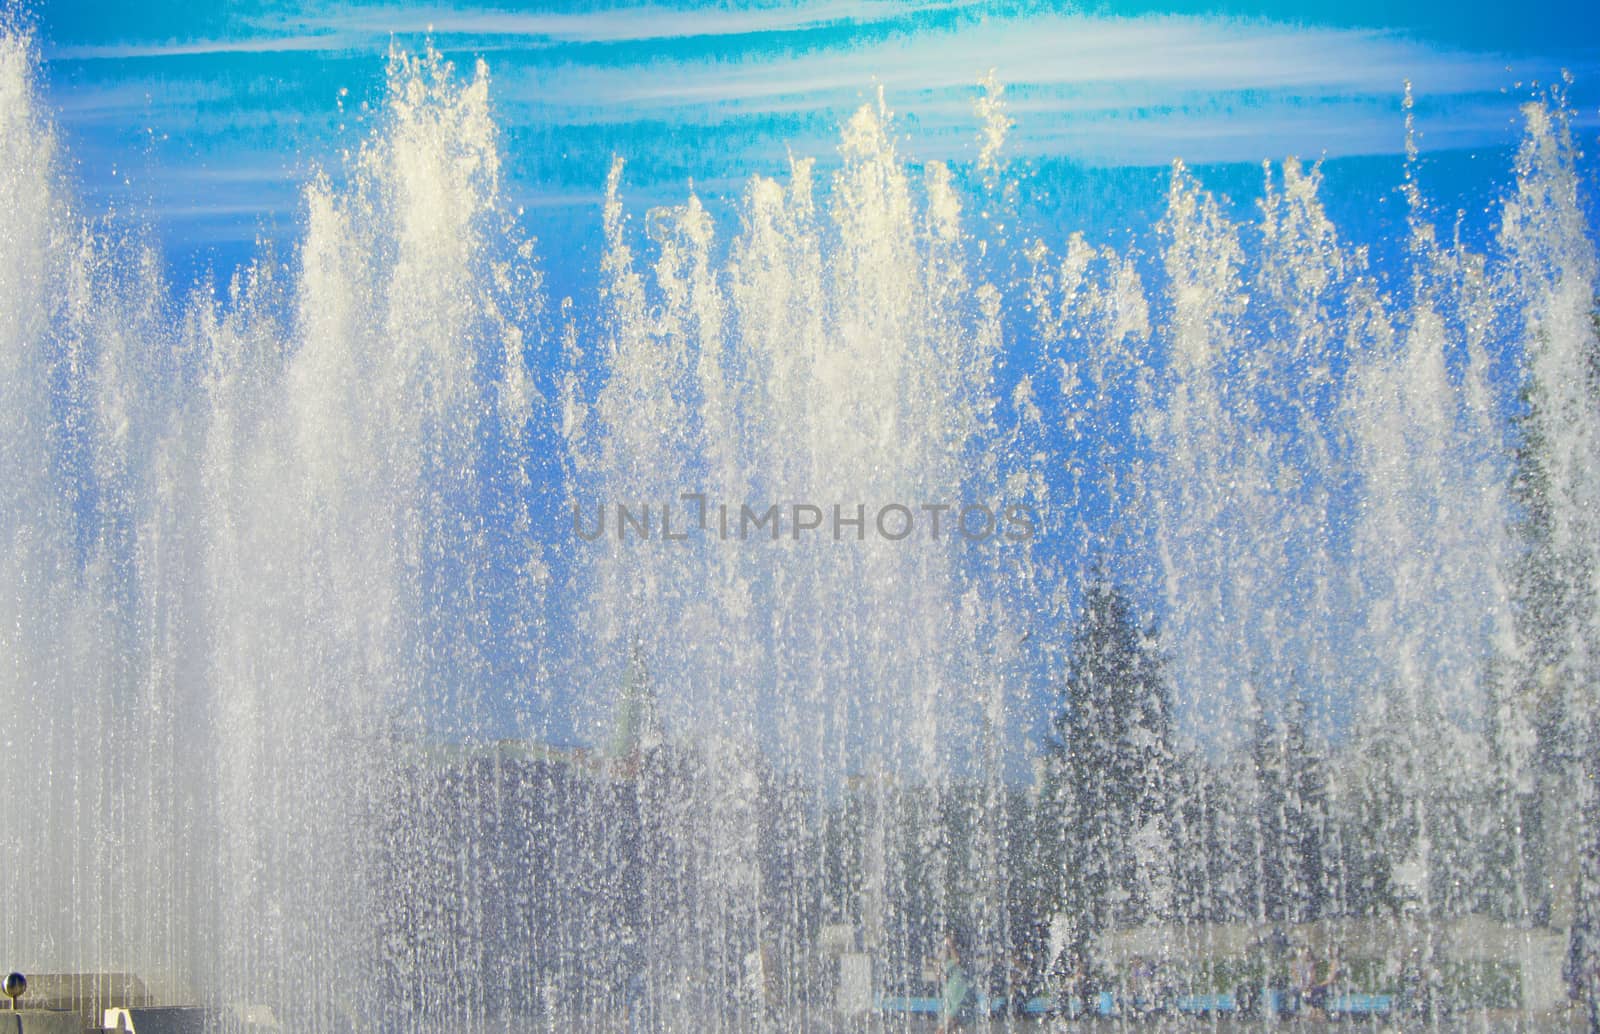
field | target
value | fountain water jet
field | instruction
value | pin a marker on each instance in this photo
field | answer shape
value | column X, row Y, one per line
column 282, row 569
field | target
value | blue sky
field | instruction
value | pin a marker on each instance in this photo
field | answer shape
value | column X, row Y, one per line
column 202, row 124
column 204, row 121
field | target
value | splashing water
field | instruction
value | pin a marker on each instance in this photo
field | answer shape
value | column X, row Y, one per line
column 376, row 622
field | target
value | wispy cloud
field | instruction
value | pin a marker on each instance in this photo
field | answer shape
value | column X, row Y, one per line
column 1097, row 89
column 716, row 95
column 1045, row 60
column 627, row 24
column 192, row 48
column 332, row 28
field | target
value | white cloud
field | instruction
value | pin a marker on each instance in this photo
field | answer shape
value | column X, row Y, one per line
column 1101, row 90
column 629, row 24
column 1048, row 61
column 256, row 45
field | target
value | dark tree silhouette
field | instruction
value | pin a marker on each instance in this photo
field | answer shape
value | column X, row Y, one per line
column 1291, row 817
column 1112, row 770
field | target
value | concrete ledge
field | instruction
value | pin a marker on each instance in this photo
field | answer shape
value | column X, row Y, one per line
column 40, row 1021
column 170, row 1020
column 245, row 1019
